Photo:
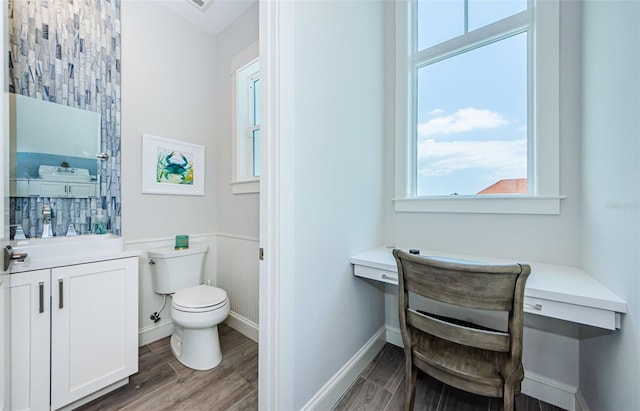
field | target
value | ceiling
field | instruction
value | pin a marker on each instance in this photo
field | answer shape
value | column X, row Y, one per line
column 215, row 18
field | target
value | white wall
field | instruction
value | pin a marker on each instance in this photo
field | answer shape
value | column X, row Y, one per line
column 326, row 174
column 548, row 238
column 237, row 214
column 551, row 347
column 336, row 135
column 610, row 363
column 168, row 90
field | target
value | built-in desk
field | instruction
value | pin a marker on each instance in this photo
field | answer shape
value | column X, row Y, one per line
column 550, row 347
column 556, row 291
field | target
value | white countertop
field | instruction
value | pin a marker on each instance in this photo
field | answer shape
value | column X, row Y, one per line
column 19, row 267
column 64, row 251
column 554, row 283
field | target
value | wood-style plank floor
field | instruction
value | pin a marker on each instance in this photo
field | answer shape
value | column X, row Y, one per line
column 162, row 383
column 381, row 384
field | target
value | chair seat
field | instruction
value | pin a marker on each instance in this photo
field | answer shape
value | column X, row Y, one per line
column 467, row 368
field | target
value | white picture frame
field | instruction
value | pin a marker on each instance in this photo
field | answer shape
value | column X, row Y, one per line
column 172, row 167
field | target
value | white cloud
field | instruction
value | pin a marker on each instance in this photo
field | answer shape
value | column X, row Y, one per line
column 465, row 119
column 501, row 157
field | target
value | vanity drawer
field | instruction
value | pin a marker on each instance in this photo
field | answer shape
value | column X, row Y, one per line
column 571, row 312
column 376, row 274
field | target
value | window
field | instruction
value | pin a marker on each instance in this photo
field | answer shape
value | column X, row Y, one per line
column 477, row 106
column 253, row 90
column 247, row 124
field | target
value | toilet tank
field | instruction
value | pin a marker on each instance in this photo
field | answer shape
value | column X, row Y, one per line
column 173, row 270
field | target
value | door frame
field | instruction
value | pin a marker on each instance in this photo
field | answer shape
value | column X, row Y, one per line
column 5, row 319
column 277, row 217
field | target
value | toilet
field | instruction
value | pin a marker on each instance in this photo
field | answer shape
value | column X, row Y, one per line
column 196, row 308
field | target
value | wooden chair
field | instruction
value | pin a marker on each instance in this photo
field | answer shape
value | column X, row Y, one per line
column 460, row 354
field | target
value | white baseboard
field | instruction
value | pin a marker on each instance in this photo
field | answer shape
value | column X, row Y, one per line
column 245, row 327
column 337, row 385
column 549, row 390
column 581, row 402
column 534, row 385
column 164, row 329
column 154, row 332
column 394, row 337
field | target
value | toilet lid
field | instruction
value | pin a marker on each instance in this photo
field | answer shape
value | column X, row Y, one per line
column 199, row 297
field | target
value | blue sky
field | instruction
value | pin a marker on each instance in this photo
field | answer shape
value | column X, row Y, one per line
column 472, row 113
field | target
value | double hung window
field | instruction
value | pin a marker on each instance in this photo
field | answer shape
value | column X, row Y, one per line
column 477, row 106
column 247, row 128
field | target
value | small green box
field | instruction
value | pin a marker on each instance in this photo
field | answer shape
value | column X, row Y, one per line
column 182, row 242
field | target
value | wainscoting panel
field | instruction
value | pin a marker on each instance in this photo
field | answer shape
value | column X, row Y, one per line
column 150, row 302
column 231, row 264
column 237, row 273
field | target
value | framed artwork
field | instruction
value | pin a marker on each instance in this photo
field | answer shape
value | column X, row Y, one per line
column 172, row 166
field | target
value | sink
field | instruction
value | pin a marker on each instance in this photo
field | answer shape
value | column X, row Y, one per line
column 66, row 174
column 67, row 248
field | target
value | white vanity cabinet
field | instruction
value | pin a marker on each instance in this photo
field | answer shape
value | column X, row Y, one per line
column 59, row 189
column 36, row 187
column 79, row 320
column 30, row 333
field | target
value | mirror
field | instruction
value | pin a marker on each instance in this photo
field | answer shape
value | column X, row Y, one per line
column 53, row 149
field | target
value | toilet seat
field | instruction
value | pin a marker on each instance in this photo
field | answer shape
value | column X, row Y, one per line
column 200, row 298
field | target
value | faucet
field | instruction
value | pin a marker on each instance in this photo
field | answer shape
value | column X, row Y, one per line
column 46, row 222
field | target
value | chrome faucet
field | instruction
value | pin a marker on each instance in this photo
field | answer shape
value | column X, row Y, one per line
column 46, row 222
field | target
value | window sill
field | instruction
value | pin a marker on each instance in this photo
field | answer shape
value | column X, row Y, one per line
column 481, row 204
column 245, row 186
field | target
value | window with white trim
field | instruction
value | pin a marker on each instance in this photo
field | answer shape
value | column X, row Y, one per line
column 248, row 118
column 477, row 106
column 247, row 128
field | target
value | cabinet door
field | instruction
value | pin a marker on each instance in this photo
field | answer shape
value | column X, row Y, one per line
column 77, row 190
column 30, row 313
column 94, row 335
column 47, row 188
column 19, row 187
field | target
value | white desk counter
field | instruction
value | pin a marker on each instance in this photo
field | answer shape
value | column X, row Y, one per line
column 555, row 291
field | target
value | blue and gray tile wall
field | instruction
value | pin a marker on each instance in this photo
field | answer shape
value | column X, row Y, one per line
column 68, row 52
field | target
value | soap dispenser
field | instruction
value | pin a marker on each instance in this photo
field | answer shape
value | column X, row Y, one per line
column 46, row 222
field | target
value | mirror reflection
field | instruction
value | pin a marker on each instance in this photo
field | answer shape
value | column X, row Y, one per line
column 53, row 149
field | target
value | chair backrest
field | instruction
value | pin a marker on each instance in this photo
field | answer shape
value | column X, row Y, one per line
column 476, row 286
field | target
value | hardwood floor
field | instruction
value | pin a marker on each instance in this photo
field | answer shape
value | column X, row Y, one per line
column 381, row 384
column 162, row 383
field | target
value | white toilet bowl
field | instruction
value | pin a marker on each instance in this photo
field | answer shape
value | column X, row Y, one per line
column 196, row 313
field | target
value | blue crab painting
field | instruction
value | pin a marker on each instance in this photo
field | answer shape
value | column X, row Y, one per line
column 174, row 168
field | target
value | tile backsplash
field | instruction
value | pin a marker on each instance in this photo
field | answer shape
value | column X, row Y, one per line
column 68, row 52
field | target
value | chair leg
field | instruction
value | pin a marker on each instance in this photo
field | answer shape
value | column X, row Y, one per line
column 410, row 374
column 508, row 402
